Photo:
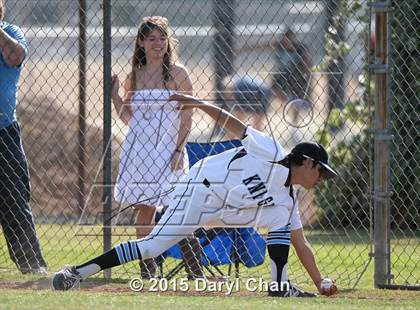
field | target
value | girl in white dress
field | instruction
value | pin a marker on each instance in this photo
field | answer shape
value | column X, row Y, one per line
column 153, row 156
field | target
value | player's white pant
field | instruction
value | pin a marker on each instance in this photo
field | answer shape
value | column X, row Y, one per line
column 194, row 205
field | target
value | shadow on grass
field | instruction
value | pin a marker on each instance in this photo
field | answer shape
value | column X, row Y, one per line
column 44, row 283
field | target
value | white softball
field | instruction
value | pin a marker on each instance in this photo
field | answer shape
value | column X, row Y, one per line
column 326, row 284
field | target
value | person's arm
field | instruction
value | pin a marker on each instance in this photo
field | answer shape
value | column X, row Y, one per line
column 306, row 60
column 13, row 52
column 184, row 83
column 122, row 106
column 306, row 256
column 222, row 117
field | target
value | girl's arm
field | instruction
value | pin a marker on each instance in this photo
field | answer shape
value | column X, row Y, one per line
column 184, row 85
column 123, row 106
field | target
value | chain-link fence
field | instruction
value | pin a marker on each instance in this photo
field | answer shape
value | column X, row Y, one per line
column 295, row 70
column 404, row 113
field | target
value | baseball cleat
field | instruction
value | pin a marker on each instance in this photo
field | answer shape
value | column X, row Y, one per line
column 293, row 291
column 66, row 279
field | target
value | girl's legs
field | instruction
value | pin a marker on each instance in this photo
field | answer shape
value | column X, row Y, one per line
column 144, row 225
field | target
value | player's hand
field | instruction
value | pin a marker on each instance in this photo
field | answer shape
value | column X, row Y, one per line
column 327, row 287
column 185, row 102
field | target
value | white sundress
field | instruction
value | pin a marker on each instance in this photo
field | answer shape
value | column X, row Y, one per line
column 145, row 160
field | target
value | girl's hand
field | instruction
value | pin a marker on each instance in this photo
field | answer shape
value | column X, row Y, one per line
column 115, row 86
column 177, row 162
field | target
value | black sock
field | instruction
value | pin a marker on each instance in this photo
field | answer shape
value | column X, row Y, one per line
column 104, row 261
column 121, row 254
column 278, row 245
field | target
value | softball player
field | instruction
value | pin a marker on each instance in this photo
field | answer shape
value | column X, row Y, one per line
column 249, row 186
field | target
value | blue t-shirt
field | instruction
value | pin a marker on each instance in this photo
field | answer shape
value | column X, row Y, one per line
column 9, row 78
column 250, row 90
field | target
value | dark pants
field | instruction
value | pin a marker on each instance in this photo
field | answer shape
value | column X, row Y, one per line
column 293, row 86
column 15, row 212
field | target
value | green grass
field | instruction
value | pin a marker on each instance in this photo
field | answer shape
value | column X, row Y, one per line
column 340, row 256
column 12, row 299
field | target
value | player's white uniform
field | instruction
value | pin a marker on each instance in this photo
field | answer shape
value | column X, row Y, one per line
column 249, row 186
column 241, row 187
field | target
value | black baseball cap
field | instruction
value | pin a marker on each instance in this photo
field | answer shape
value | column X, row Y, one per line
column 317, row 153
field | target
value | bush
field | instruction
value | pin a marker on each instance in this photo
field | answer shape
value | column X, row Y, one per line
column 344, row 202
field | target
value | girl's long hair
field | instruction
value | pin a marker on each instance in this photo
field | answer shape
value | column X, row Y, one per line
column 139, row 57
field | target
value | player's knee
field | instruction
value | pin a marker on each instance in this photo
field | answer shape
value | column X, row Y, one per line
column 151, row 252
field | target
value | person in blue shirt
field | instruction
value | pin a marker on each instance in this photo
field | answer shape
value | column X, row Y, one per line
column 15, row 211
column 249, row 98
column 291, row 76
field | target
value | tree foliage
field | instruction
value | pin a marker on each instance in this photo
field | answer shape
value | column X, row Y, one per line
column 345, row 202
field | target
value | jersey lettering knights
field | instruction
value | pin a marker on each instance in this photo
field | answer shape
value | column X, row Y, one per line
column 246, row 177
column 258, row 191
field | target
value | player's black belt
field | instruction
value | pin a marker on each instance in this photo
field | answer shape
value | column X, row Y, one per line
column 206, row 183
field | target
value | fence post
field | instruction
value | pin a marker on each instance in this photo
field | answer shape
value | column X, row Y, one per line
column 82, row 106
column 223, row 40
column 336, row 69
column 107, row 193
column 382, row 193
